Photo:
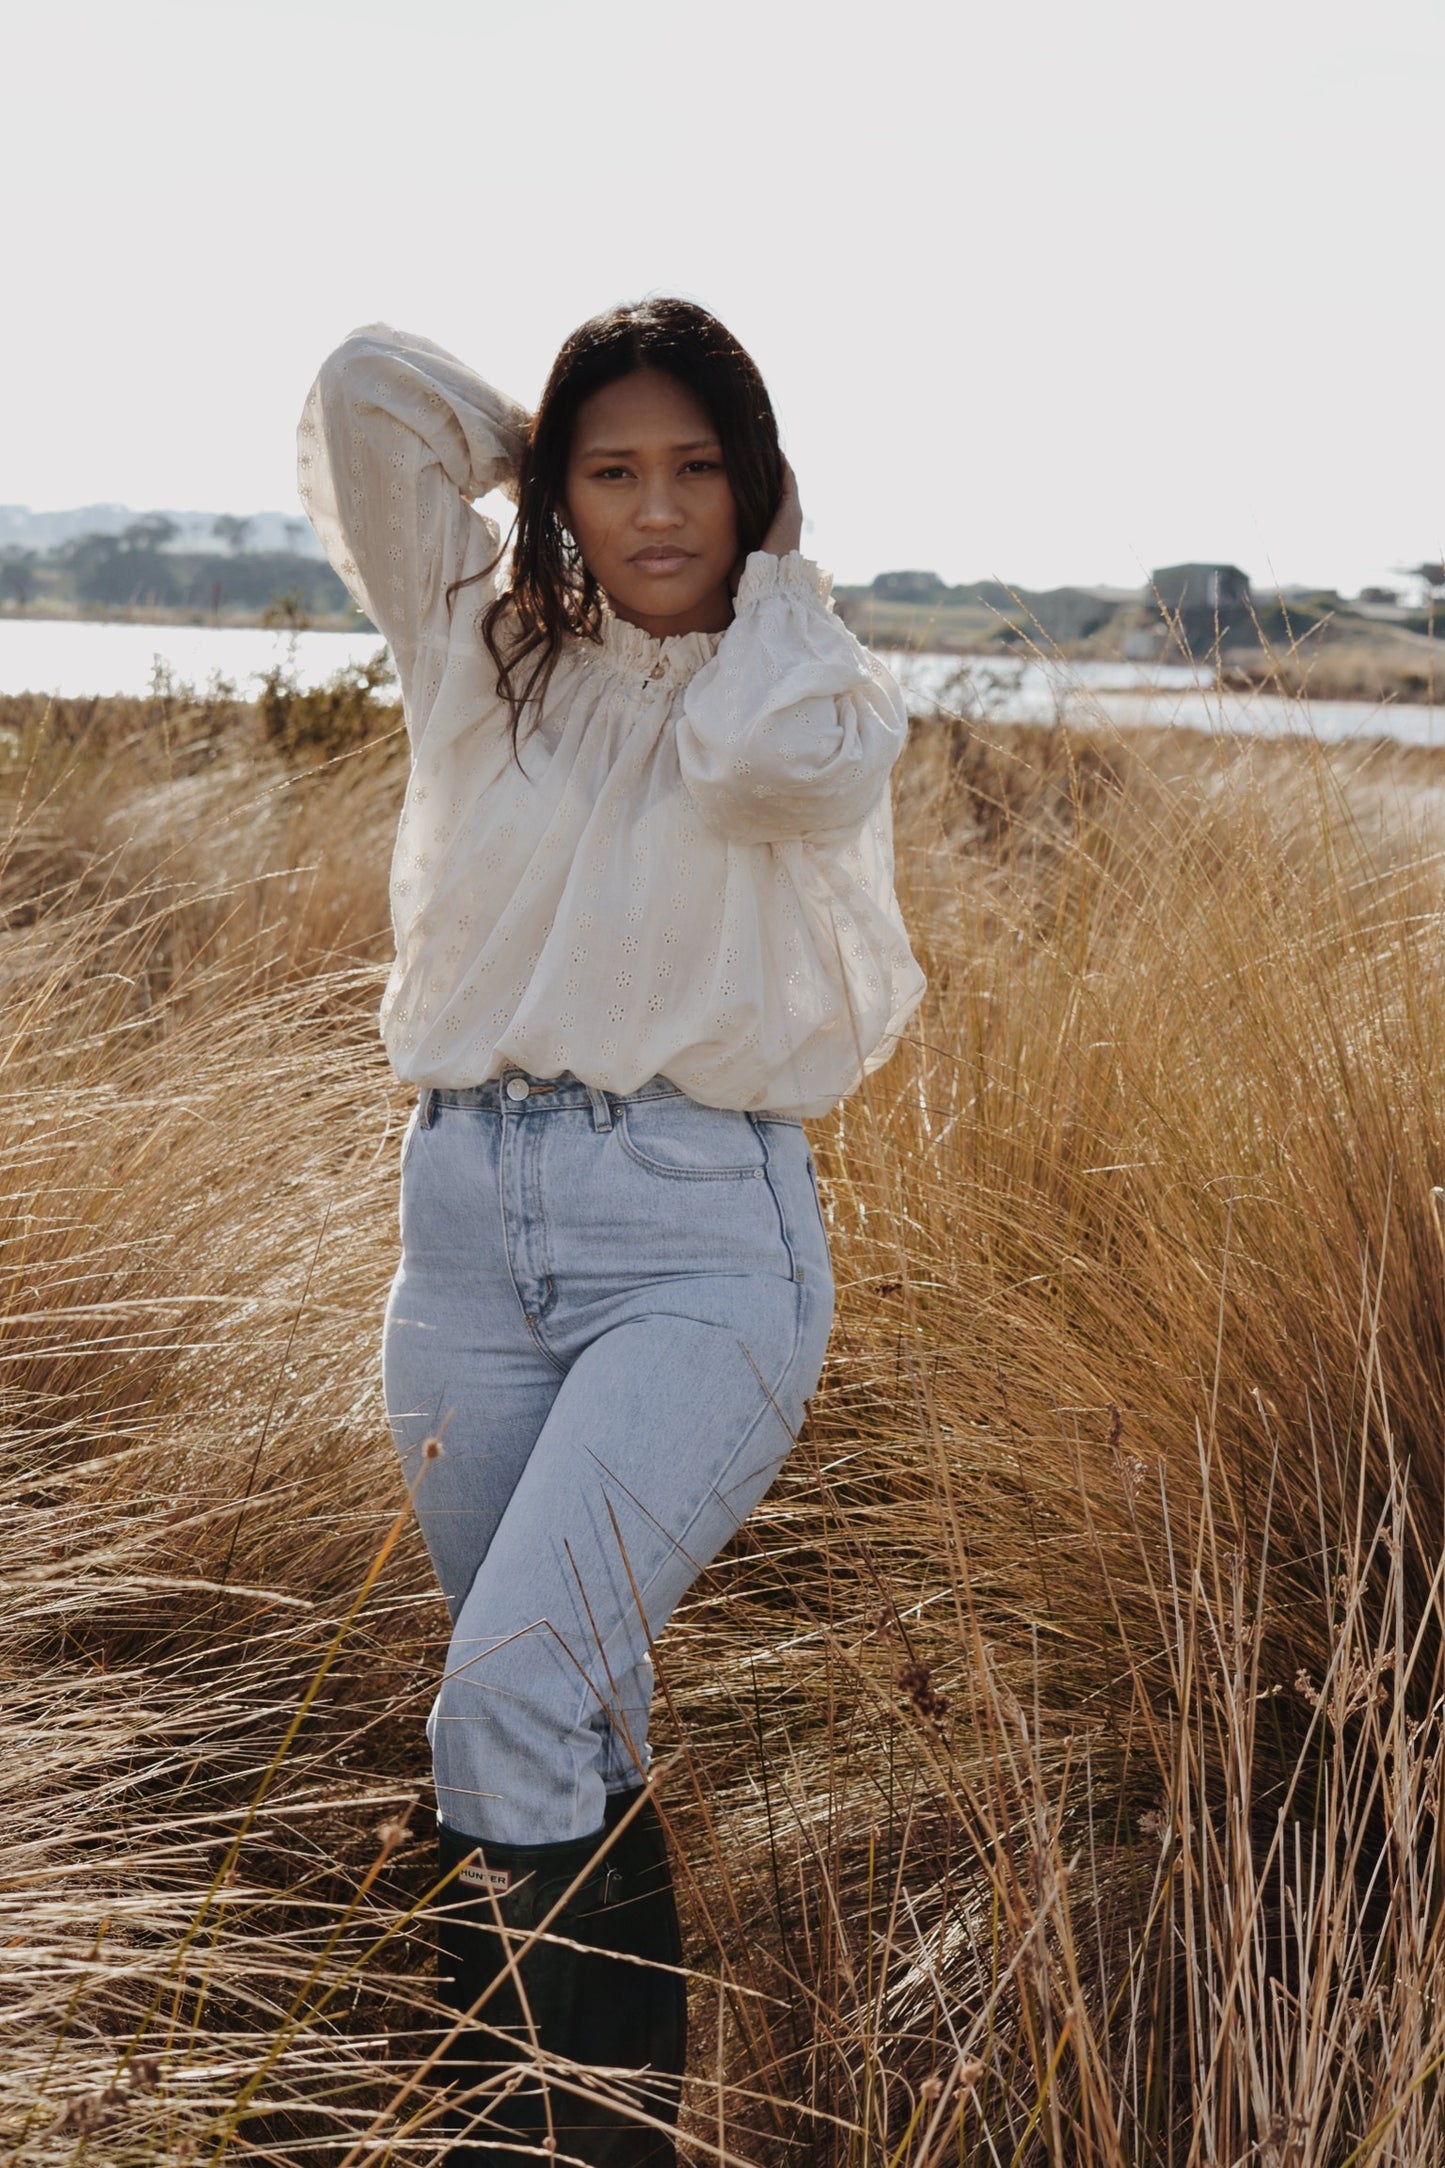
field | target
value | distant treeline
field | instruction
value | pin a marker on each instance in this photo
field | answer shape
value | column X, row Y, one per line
column 136, row 571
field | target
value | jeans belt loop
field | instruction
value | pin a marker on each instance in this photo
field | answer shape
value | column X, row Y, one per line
column 426, row 1106
column 601, row 1110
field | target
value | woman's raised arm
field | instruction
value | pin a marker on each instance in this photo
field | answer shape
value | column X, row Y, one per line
column 791, row 729
column 396, row 437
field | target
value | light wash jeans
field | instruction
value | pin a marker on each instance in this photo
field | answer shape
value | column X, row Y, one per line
column 609, row 1311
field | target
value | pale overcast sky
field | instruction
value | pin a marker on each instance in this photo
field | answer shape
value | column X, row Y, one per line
column 1050, row 292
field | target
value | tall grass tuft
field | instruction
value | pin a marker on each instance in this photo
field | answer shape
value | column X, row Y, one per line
column 1053, row 1761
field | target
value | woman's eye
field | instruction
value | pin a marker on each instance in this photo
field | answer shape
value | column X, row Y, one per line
column 702, row 466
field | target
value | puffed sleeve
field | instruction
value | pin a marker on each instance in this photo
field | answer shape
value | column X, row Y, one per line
column 395, row 438
column 792, row 728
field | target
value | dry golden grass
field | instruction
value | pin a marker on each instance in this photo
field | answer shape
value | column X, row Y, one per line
column 1054, row 1760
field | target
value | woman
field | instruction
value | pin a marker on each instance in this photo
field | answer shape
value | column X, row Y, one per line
column 645, row 923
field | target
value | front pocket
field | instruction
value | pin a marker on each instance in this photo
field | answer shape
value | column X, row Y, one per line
column 681, row 1138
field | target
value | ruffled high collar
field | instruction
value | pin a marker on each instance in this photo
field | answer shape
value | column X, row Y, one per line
column 626, row 651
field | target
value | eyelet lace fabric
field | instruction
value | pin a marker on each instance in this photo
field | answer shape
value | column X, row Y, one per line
column 689, row 872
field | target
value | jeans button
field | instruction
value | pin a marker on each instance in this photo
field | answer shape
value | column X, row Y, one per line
column 517, row 1087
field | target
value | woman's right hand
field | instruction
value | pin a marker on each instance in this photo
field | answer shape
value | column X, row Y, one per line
column 786, row 531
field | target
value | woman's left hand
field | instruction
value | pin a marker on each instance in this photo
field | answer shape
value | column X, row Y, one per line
column 786, row 531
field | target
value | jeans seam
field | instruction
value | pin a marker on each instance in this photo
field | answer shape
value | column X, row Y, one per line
column 534, row 1327
column 787, row 1240
column 530, row 1322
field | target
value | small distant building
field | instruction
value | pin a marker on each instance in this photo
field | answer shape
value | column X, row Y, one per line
column 1202, row 604
column 1201, row 587
column 908, row 587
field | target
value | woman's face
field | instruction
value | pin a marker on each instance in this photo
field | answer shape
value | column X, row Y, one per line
column 650, row 506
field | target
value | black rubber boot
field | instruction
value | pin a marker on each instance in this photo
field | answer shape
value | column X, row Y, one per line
column 585, row 2005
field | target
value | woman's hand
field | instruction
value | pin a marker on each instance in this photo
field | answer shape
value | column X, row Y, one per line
column 786, row 531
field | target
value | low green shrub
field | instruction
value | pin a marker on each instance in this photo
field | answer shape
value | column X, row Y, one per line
column 323, row 721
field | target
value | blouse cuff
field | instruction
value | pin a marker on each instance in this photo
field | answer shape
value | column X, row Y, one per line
column 765, row 574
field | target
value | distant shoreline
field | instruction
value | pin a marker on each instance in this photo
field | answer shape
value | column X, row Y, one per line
column 210, row 620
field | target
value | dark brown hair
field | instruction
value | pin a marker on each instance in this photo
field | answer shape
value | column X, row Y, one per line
column 551, row 594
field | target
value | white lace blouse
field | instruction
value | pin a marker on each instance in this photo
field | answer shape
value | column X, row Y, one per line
column 691, row 872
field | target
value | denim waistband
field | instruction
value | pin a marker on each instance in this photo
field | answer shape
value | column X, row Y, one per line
column 543, row 1094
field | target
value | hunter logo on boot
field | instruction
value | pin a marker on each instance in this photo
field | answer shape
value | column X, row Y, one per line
column 476, row 1874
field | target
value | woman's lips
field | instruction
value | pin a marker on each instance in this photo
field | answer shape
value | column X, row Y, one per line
column 662, row 560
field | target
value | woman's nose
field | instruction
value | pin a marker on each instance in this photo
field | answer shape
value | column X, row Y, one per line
column 660, row 505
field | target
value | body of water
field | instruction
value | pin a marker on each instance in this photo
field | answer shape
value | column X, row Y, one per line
column 76, row 659
column 1012, row 689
